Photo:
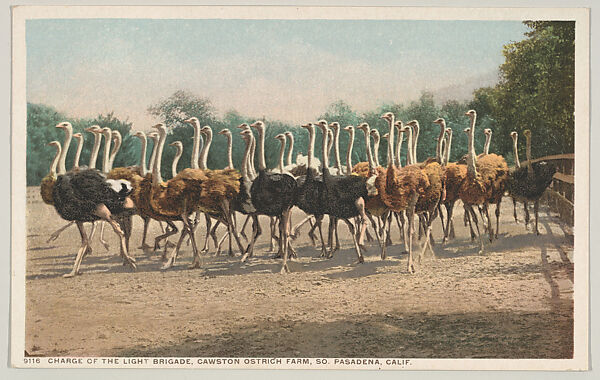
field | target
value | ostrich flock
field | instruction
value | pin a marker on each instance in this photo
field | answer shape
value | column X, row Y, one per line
column 363, row 195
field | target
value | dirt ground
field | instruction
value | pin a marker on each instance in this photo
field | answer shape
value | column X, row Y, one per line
column 513, row 302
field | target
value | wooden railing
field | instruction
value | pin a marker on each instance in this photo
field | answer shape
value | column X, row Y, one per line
column 560, row 196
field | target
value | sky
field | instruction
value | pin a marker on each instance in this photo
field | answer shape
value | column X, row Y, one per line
column 289, row 70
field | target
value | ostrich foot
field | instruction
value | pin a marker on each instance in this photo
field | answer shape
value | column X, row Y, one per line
column 168, row 264
column 411, row 269
column 169, row 244
column 284, row 269
column 195, row 264
column 105, row 244
column 71, row 274
column 145, row 247
column 359, row 261
column 330, row 255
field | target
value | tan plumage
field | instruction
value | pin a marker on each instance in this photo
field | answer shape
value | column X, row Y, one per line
column 47, row 184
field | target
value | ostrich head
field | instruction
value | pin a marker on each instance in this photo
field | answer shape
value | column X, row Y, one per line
column 440, row 120
column 116, row 136
column 280, row 137
column 78, row 136
column 364, row 127
column 243, row 126
column 527, row 133
column 413, row 123
column 93, row 129
column 225, row 132
column 323, row 125
column 159, row 126
column 387, row 116
column 206, row 130
column 140, row 134
column 449, row 131
column 467, row 130
column 471, row 113
column 399, row 125
column 192, row 121
column 289, row 135
column 349, row 128
column 335, row 126
column 153, row 136
column 514, row 135
column 106, row 132
column 54, row 143
column 385, row 135
column 65, row 125
column 487, row 131
column 375, row 134
column 259, row 125
column 308, row 126
column 245, row 133
column 177, row 144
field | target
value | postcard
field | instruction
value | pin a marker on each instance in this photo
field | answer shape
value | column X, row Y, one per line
column 300, row 187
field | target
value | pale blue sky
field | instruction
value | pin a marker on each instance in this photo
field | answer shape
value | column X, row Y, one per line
column 284, row 69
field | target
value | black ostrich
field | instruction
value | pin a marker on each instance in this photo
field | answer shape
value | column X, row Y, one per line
column 87, row 196
column 272, row 194
column 528, row 183
column 344, row 197
column 311, row 190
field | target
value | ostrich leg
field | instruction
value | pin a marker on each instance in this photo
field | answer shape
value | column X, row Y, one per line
column 497, row 212
column 171, row 261
column 57, row 233
column 474, row 218
column 400, row 222
column 515, row 210
column 273, row 221
column 284, row 237
column 362, row 225
column 256, row 231
column 467, row 217
column 536, row 208
column 208, row 226
column 380, row 238
column 170, row 230
column 103, row 212
column 355, row 241
column 104, row 242
column 145, row 246
column 527, row 219
column 225, row 206
column 411, row 216
column 296, row 228
column 80, row 253
column 243, row 230
column 432, row 214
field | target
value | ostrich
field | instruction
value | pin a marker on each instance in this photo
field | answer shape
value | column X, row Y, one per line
column 529, row 183
column 485, row 179
column 272, row 195
column 335, row 128
column 428, row 202
column 178, row 152
column 454, row 175
column 376, row 139
column 86, row 196
column 498, row 165
column 174, row 200
column 400, row 188
column 311, row 190
column 344, row 197
column 515, row 137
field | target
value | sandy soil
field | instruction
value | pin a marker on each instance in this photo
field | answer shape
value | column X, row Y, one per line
column 513, row 302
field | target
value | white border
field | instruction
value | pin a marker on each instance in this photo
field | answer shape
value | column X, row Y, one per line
column 581, row 257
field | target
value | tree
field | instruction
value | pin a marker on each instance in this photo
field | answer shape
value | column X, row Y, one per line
column 536, row 89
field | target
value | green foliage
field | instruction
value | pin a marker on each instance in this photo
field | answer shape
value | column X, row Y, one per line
column 536, row 90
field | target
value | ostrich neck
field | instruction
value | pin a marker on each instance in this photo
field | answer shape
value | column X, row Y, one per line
column 311, row 148
column 486, row 146
column 261, row 150
column 289, row 155
column 471, row 159
column 156, row 176
column 414, row 144
column 528, row 155
column 324, row 164
column 106, row 159
column 245, row 158
column 142, row 164
column 281, row 153
column 398, row 148
column 409, row 150
column 390, row 156
column 113, row 154
column 229, row 152
column 195, row 146
column 349, row 153
column 336, row 148
column 516, row 151
column 175, row 162
column 153, row 154
column 368, row 149
column 78, row 152
column 205, row 149
column 65, row 148
column 250, row 164
column 95, row 150
column 376, row 151
column 55, row 161
column 448, row 145
column 438, row 150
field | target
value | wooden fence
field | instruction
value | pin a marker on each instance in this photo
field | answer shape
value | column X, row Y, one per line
column 560, row 195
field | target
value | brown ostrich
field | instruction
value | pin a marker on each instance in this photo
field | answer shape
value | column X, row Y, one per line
column 454, row 175
column 400, row 188
column 428, row 201
column 49, row 180
column 485, row 178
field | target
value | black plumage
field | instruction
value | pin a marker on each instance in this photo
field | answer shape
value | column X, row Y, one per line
column 273, row 193
column 530, row 189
